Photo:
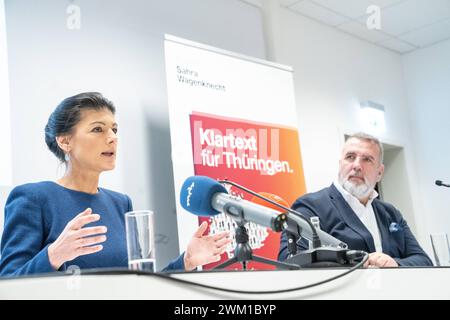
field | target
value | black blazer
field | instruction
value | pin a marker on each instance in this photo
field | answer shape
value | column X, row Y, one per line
column 338, row 219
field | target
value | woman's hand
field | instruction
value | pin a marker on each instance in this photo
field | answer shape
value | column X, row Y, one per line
column 205, row 249
column 77, row 241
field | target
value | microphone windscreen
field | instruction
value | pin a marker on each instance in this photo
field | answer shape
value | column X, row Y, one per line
column 272, row 197
column 196, row 195
column 438, row 182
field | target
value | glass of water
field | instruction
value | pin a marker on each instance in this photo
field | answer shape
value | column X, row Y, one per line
column 140, row 240
column 441, row 249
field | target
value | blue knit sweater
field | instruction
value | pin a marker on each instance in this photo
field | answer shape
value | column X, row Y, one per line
column 37, row 213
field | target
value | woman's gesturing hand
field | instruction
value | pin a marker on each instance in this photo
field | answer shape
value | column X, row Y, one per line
column 205, row 249
column 77, row 241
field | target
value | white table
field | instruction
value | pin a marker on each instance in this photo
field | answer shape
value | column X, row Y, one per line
column 404, row 283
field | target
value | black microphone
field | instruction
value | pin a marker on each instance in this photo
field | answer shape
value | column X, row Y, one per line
column 440, row 184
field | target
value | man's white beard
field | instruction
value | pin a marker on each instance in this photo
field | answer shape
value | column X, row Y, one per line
column 359, row 191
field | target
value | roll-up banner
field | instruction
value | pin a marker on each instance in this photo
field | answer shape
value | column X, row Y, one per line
column 232, row 117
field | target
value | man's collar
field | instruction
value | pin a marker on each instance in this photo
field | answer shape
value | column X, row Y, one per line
column 349, row 197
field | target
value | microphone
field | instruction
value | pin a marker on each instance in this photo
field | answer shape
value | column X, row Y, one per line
column 204, row 196
column 440, row 184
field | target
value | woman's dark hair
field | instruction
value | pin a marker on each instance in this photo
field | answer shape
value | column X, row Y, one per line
column 68, row 113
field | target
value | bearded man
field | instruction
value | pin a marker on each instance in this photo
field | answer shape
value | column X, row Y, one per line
column 350, row 211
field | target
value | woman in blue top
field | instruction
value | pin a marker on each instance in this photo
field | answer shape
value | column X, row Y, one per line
column 51, row 225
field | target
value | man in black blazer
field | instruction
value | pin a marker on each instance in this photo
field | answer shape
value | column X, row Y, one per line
column 350, row 210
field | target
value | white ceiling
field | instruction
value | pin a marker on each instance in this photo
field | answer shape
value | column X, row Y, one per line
column 406, row 25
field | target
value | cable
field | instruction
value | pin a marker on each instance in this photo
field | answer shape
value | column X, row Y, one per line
column 352, row 255
column 360, row 264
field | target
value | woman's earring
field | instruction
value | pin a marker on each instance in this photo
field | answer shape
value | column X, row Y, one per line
column 66, row 157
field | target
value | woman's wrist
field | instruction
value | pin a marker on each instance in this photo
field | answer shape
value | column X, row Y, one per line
column 52, row 259
column 188, row 266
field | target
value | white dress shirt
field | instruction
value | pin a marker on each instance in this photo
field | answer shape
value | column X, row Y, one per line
column 364, row 212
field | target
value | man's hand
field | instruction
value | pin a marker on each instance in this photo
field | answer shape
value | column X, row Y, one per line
column 380, row 260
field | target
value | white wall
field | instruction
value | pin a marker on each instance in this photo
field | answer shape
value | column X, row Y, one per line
column 5, row 130
column 395, row 186
column 427, row 76
column 119, row 52
column 333, row 72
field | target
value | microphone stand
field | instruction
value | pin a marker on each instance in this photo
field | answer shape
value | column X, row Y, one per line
column 243, row 253
column 318, row 257
column 326, row 257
